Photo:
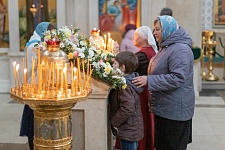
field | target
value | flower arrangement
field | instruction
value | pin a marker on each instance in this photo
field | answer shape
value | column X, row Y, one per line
column 77, row 45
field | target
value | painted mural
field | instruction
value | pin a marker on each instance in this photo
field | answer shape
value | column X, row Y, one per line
column 114, row 15
column 4, row 31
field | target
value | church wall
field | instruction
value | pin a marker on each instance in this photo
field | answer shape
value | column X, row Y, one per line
column 188, row 15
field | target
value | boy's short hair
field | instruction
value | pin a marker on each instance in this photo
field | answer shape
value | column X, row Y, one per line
column 128, row 59
column 166, row 11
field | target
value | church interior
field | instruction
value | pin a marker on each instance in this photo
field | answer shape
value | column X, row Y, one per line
column 204, row 20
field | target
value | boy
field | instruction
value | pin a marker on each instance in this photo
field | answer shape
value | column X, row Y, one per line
column 125, row 110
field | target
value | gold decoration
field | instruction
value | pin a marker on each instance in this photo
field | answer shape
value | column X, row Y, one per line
column 210, row 76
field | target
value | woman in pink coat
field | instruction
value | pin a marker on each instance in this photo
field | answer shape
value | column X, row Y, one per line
column 127, row 42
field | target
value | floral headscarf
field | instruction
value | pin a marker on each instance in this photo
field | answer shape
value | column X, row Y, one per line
column 169, row 26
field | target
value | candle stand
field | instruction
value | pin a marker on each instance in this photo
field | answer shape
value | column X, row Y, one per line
column 52, row 96
column 52, row 120
column 206, row 38
column 210, row 76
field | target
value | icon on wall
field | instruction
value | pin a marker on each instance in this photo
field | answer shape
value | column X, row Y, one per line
column 114, row 15
column 4, row 33
column 219, row 13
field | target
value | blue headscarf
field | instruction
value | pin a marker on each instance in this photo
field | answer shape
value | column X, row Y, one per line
column 169, row 26
column 42, row 28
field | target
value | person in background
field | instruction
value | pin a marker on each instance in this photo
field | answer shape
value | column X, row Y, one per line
column 145, row 41
column 170, row 81
column 27, row 122
column 124, row 104
column 166, row 11
column 127, row 42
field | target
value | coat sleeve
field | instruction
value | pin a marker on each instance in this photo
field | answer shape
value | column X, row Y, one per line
column 123, row 45
column 126, row 108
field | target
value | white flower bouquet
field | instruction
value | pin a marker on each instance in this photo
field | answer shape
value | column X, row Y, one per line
column 77, row 45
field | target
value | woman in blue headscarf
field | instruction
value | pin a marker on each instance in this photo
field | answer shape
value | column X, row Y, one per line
column 170, row 80
column 27, row 123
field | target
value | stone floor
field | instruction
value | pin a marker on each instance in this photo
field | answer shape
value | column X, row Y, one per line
column 208, row 121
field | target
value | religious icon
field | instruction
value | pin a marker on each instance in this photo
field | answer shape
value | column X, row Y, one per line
column 219, row 13
column 115, row 15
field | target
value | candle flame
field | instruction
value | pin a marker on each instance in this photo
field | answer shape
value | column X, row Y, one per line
column 17, row 67
column 25, row 70
column 14, row 63
column 64, row 70
column 75, row 69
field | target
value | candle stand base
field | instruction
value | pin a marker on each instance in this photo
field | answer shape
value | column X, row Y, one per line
column 211, row 77
column 52, row 121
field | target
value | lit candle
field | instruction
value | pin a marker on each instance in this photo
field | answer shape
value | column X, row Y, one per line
column 105, row 42
column 75, row 78
column 24, row 76
column 72, row 29
column 53, row 81
column 72, row 83
column 26, row 57
column 78, row 73
column 39, row 56
column 83, row 71
column 108, row 35
column 14, row 69
column 88, row 78
column 17, row 73
column 61, row 79
column 32, row 72
column 40, row 76
column 57, row 78
column 65, row 78
column 49, row 78
column 87, row 69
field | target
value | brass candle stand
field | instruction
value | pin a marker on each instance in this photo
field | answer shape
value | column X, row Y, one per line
column 52, row 119
column 206, row 38
column 210, row 76
column 53, row 96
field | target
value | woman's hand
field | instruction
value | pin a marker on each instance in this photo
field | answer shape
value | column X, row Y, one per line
column 140, row 81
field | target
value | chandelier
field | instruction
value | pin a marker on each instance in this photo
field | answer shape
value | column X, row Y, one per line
column 34, row 9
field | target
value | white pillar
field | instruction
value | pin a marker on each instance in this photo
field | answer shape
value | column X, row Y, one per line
column 61, row 13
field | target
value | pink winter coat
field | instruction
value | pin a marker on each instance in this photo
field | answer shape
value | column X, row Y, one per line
column 127, row 42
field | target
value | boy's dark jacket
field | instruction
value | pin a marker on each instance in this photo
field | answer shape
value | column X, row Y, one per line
column 125, row 111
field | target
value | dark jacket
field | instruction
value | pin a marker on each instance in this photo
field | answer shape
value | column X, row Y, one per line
column 170, row 78
column 125, row 112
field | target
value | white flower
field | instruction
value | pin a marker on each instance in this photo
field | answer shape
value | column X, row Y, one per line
column 105, row 74
column 81, row 55
column 123, row 80
column 96, row 64
column 103, row 55
column 90, row 53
